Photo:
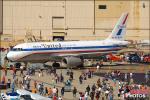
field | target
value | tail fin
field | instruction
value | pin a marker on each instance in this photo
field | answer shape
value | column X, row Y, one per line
column 120, row 28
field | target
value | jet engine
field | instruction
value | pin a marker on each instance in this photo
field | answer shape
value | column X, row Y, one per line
column 55, row 64
column 72, row 61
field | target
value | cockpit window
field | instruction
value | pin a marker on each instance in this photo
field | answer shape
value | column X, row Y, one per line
column 16, row 49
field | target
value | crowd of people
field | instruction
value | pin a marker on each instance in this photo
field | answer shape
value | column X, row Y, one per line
column 100, row 90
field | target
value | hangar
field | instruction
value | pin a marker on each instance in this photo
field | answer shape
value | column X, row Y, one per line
column 74, row 19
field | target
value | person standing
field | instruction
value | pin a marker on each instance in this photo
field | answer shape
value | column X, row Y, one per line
column 97, row 68
column 61, row 78
column 131, row 75
column 42, row 89
column 126, row 76
column 35, row 84
column 98, row 82
column 56, row 79
column 54, row 91
column 146, row 77
column 54, row 97
column 41, row 70
column 13, row 87
column 45, row 91
column 57, row 92
column 14, row 70
column 93, row 87
column 92, row 95
column 8, row 83
column 110, row 96
column 50, row 92
column 131, row 81
column 3, row 79
column 39, row 73
column 74, row 92
column 62, row 91
column 21, row 70
column 88, row 89
column 80, row 79
column 5, row 71
column 97, row 95
column 53, row 82
column 86, row 96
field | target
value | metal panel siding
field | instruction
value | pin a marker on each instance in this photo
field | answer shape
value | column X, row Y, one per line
column 79, row 14
column 78, row 18
column 58, row 23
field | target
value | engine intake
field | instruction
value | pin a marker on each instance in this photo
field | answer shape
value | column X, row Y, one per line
column 72, row 61
column 56, row 64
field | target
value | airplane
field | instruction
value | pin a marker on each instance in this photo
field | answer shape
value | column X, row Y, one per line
column 71, row 53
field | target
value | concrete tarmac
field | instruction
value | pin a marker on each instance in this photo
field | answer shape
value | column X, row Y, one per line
column 47, row 79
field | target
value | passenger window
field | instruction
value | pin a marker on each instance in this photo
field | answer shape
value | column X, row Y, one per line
column 16, row 49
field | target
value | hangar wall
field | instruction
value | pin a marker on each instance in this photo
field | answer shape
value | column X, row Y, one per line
column 74, row 19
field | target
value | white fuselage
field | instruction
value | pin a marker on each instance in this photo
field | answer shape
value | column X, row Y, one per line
column 47, row 50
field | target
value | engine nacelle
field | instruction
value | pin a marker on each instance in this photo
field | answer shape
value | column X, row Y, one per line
column 72, row 61
column 55, row 64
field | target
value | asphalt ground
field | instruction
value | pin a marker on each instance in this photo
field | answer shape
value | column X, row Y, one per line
column 138, row 71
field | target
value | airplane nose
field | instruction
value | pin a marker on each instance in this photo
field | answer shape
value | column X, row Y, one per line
column 10, row 56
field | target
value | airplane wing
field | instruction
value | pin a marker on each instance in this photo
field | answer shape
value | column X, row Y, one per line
column 95, row 55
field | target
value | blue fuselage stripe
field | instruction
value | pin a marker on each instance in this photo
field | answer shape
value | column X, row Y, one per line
column 70, row 48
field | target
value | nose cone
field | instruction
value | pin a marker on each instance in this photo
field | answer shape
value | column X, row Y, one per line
column 10, row 56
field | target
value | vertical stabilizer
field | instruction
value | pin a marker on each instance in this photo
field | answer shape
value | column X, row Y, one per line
column 120, row 28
